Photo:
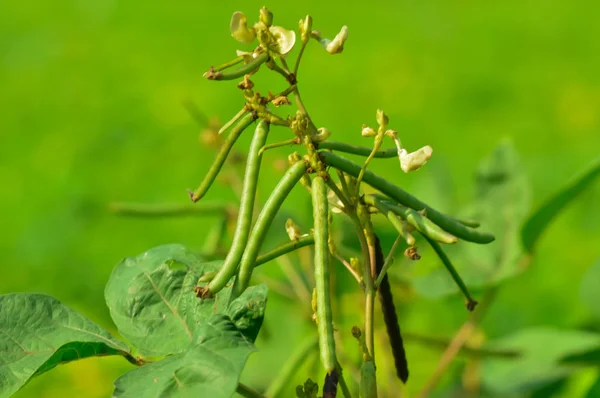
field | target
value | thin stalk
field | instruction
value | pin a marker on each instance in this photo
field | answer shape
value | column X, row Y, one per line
column 447, row 223
column 293, row 141
column 263, row 222
column 244, row 220
column 291, row 366
column 421, row 223
column 343, row 183
column 229, row 64
column 471, row 303
column 251, row 66
column 358, row 150
column 341, row 196
column 285, row 248
column 221, row 157
column 233, row 120
column 302, row 48
column 247, row 392
column 168, row 210
column 349, row 268
column 389, row 260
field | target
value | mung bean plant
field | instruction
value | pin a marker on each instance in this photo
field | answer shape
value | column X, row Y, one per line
column 190, row 321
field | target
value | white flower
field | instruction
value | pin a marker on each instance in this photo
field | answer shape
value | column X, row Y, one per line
column 336, row 45
column 239, row 28
column 414, row 160
column 284, row 39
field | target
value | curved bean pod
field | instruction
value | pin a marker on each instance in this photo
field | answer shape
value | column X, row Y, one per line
column 244, row 220
column 322, row 265
column 239, row 72
column 221, row 157
column 421, row 223
column 358, row 150
column 448, row 224
column 263, row 222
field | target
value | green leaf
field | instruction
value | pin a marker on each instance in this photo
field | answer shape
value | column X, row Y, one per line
column 38, row 332
column 248, row 310
column 501, row 206
column 211, row 366
column 152, row 300
column 541, row 361
column 588, row 290
column 541, row 218
column 594, row 391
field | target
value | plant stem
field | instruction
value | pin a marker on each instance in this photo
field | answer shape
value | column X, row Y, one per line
column 263, row 222
column 285, row 248
column 291, row 366
column 229, row 64
column 302, row 48
column 358, row 150
column 293, row 141
column 471, row 303
column 412, row 217
column 449, row 224
column 247, row 392
column 389, row 260
column 169, row 210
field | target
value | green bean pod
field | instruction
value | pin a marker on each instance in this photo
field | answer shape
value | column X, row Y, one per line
column 263, row 222
column 358, row 150
column 412, row 217
column 447, row 223
column 244, row 221
column 322, row 265
column 251, row 66
column 471, row 303
column 221, row 157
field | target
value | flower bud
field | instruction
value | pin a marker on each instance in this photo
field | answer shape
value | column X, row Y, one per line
column 266, row 16
column 336, row 45
column 305, row 27
column 382, row 118
column 414, row 160
column 368, row 131
column 239, row 28
column 292, row 229
column 322, row 135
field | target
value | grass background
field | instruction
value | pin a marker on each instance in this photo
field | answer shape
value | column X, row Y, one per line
column 90, row 105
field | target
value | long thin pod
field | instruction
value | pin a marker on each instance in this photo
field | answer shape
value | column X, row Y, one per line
column 390, row 318
column 447, row 223
column 263, row 222
column 244, row 221
column 221, row 157
column 322, row 266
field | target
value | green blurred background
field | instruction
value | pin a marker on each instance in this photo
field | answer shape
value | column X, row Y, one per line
column 91, row 112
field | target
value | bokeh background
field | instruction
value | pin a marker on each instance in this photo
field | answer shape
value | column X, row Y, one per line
column 91, row 112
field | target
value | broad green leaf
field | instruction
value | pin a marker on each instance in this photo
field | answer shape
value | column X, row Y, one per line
column 38, row 332
column 152, row 300
column 541, row 218
column 540, row 362
column 248, row 310
column 501, row 205
column 210, row 367
column 589, row 290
